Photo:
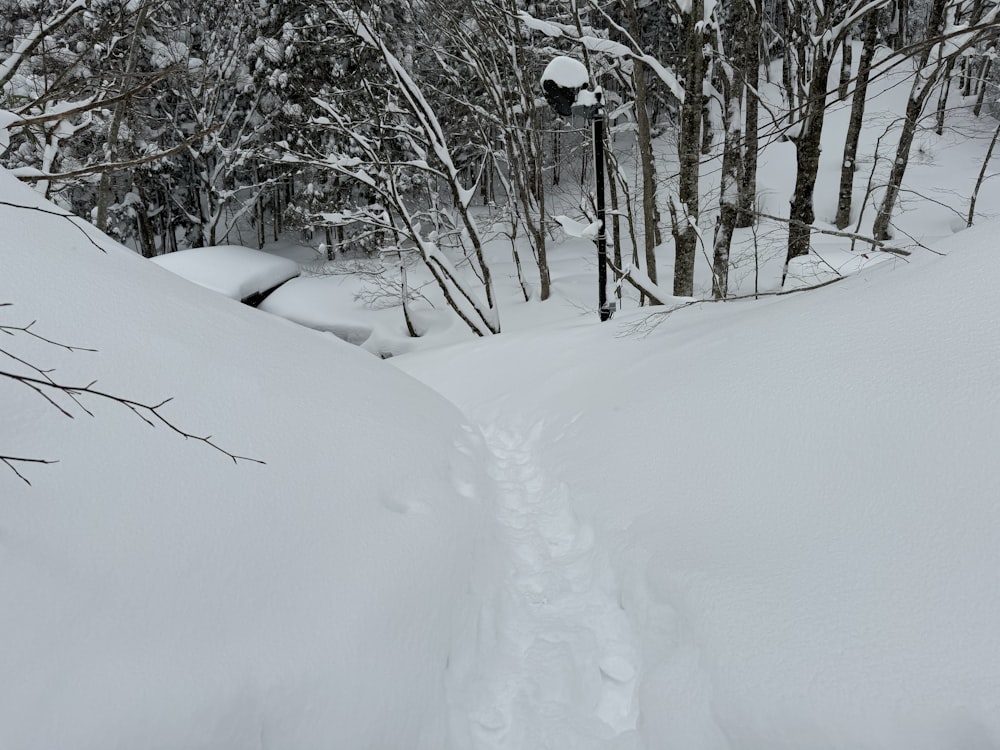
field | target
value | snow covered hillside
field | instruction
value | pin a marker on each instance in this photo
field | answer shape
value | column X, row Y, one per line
column 755, row 524
column 155, row 595
column 795, row 502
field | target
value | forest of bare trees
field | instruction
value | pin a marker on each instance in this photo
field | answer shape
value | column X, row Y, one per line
column 382, row 124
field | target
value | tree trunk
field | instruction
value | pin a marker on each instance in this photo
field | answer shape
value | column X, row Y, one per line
column 914, row 107
column 732, row 158
column 984, row 78
column 807, row 151
column 982, row 176
column 689, row 154
column 731, row 167
column 650, row 212
column 751, row 73
column 846, row 60
column 942, row 105
column 849, row 165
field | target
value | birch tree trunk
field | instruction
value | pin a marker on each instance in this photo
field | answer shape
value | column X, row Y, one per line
column 849, row 164
column 732, row 157
column 650, row 212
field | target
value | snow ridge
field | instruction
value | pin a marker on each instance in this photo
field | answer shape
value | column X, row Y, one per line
column 554, row 660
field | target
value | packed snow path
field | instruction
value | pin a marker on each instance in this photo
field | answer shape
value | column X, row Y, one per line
column 552, row 662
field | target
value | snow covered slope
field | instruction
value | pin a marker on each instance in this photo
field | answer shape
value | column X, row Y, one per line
column 155, row 595
column 795, row 501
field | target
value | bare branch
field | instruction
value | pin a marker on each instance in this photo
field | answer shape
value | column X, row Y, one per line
column 13, row 330
column 11, row 460
column 68, row 217
column 116, row 166
column 879, row 245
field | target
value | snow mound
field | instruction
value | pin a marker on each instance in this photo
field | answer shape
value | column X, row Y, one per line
column 155, row 595
column 235, row 271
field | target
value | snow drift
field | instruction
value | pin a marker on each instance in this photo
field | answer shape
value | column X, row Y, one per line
column 155, row 595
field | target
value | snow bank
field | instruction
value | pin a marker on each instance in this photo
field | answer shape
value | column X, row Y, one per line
column 155, row 595
column 235, row 271
column 315, row 303
column 799, row 499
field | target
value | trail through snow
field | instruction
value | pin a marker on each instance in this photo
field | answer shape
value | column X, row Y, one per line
column 552, row 662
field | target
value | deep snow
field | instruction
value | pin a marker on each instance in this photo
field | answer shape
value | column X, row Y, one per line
column 798, row 498
column 766, row 523
column 155, row 595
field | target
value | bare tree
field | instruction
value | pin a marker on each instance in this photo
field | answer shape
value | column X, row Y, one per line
column 391, row 150
column 933, row 60
column 819, row 28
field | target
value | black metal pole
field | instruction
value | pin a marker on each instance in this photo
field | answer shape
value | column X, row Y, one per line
column 602, row 239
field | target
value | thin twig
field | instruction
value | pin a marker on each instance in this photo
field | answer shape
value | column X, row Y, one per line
column 148, row 413
column 879, row 244
column 13, row 330
column 11, row 460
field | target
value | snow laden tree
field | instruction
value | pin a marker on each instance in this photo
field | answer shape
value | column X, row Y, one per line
column 392, row 145
column 495, row 52
column 815, row 30
column 295, row 58
column 64, row 71
column 625, row 56
column 213, row 95
column 130, row 113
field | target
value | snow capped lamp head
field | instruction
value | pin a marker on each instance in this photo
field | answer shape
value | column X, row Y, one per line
column 562, row 82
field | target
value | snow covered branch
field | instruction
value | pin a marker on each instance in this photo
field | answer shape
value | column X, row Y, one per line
column 605, row 47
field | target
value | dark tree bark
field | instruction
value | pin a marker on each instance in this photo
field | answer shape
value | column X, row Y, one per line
column 750, row 65
column 807, row 151
column 689, row 152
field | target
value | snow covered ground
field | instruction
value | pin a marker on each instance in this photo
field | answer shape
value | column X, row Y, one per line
column 792, row 503
column 769, row 523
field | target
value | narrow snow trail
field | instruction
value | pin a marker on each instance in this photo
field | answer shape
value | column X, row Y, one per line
column 552, row 663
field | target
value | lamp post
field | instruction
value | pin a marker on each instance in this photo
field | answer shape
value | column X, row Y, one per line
column 564, row 83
